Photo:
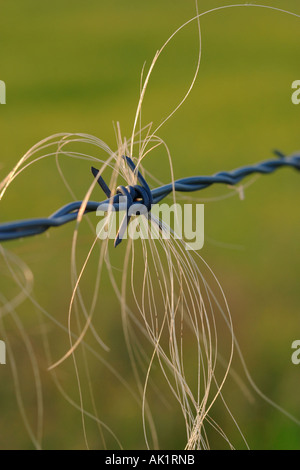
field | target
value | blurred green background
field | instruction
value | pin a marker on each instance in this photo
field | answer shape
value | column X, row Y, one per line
column 75, row 67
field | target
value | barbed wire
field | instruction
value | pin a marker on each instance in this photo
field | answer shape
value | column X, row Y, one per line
column 126, row 197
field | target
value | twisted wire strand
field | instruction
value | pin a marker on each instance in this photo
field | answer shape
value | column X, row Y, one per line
column 140, row 194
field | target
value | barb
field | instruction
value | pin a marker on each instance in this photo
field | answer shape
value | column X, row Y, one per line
column 138, row 195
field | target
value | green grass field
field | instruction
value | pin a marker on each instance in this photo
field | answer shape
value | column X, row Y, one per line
column 75, row 67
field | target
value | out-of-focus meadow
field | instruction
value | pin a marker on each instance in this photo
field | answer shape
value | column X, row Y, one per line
column 76, row 67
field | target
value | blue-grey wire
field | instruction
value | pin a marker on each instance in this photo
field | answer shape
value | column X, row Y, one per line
column 139, row 194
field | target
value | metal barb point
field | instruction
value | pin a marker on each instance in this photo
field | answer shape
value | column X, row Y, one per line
column 278, row 153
